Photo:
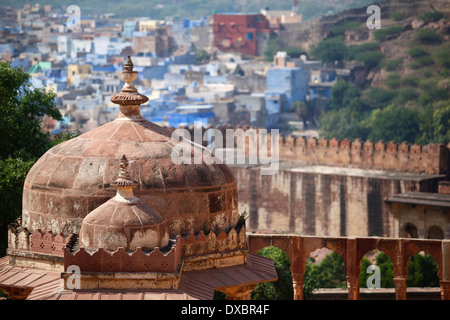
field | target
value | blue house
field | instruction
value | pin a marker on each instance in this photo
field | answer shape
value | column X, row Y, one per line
column 292, row 83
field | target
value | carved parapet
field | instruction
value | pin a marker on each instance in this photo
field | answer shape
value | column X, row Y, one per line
column 47, row 243
column 204, row 244
column 122, row 261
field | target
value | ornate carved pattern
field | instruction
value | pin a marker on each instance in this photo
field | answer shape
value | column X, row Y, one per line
column 155, row 261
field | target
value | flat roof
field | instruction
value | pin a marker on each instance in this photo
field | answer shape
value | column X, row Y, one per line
column 421, row 198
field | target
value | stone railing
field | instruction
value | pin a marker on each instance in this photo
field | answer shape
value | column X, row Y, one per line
column 352, row 250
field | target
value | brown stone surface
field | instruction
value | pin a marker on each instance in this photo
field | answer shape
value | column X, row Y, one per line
column 74, row 178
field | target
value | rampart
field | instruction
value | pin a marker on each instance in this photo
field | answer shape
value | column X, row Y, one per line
column 405, row 158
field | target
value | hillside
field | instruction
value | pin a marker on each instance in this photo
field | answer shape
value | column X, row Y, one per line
column 406, row 92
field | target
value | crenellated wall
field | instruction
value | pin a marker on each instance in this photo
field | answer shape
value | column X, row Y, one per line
column 431, row 158
column 330, row 187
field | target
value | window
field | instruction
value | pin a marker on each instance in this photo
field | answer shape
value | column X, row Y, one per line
column 249, row 36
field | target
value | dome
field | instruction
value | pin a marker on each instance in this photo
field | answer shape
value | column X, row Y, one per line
column 124, row 221
column 73, row 178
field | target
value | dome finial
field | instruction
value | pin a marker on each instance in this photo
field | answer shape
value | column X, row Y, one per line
column 124, row 180
column 129, row 64
column 129, row 98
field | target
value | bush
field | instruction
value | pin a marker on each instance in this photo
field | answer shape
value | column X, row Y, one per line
column 371, row 59
column 282, row 289
column 354, row 50
column 330, row 50
column 431, row 16
column 393, row 81
column 417, row 52
column 421, row 62
column 405, row 95
column 393, row 64
column 381, row 34
column 379, row 97
column 428, row 36
column 410, row 81
column 442, row 58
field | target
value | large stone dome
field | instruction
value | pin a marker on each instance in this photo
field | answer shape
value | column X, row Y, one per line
column 73, row 178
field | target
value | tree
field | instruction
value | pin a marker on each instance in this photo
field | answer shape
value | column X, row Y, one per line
column 330, row 273
column 274, row 45
column 330, row 50
column 22, row 108
column 281, row 289
column 22, row 139
column 395, row 123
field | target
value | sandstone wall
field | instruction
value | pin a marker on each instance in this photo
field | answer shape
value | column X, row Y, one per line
column 322, row 201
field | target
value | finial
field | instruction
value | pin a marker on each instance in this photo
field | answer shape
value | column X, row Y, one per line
column 129, row 96
column 129, row 64
column 124, row 180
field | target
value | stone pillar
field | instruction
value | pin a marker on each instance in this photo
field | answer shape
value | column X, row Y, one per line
column 298, row 268
column 400, row 272
column 400, row 288
column 241, row 292
column 445, row 281
column 297, row 281
column 352, row 269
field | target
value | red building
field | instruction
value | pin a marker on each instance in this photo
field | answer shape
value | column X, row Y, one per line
column 244, row 33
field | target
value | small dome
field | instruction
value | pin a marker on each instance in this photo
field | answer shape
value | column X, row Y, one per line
column 124, row 221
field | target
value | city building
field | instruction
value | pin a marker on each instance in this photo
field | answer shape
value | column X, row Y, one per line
column 244, row 33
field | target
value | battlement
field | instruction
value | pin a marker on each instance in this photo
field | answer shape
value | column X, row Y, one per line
column 430, row 159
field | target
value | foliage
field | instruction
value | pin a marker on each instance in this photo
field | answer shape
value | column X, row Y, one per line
column 417, row 52
column 393, row 81
column 381, row 34
column 330, row 273
column 281, row 289
column 330, row 50
column 428, row 36
column 371, row 59
column 431, row 16
column 392, row 64
column 22, row 108
column 421, row 62
column 23, row 141
column 422, row 271
column 274, row 45
column 201, row 57
column 395, row 123
column 442, row 57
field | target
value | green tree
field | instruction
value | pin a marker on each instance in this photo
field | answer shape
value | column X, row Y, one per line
column 330, row 50
column 22, row 108
column 281, row 289
column 22, row 139
column 274, row 45
column 395, row 124
column 422, row 271
column 330, row 273
column 441, row 125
